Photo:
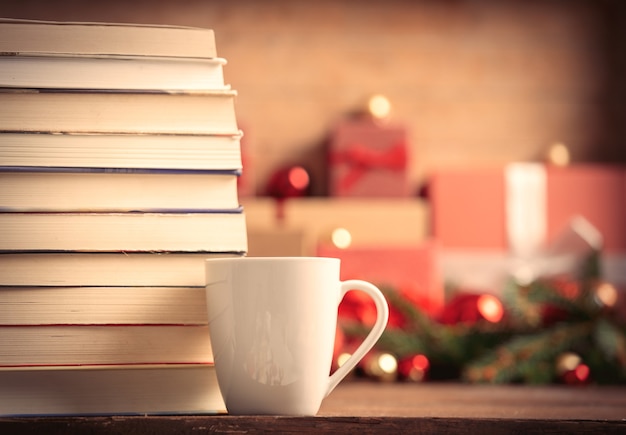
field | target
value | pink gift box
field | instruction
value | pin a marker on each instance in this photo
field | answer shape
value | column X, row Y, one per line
column 412, row 270
column 368, row 158
column 469, row 212
column 596, row 192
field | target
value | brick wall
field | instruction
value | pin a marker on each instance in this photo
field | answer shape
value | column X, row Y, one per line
column 477, row 81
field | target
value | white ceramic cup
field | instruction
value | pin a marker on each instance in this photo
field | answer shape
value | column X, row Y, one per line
column 272, row 322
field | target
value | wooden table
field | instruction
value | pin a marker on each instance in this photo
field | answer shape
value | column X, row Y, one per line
column 368, row 407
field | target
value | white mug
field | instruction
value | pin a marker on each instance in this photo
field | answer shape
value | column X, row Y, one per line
column 272, row 322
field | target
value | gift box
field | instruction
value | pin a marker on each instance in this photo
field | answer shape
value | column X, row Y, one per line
column 494, row 222
column 499, row 208
column 397, row 221
column 596, row 192
column 412, row 270
column 276, row 242
column 368, row 158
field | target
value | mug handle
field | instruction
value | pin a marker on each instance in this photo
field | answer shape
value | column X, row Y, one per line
column 382, row 316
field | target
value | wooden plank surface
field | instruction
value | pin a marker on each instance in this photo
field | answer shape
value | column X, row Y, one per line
column 368, row 408
column 476, row 401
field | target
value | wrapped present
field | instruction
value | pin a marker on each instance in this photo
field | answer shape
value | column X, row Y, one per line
column 368, row 158
column 276, row 242
column 495, row 222
column 410, row 269
column 596, row 192
column 521, row 207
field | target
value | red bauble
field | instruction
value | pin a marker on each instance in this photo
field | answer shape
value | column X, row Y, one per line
column 289, row 182
column 358, row 306
column 414, row 368
column 470, row 308
column 578, row 376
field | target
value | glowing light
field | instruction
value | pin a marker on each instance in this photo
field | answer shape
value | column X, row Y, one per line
column 582, row 372
column 490, row 308
column 415, row 368
column 559, row 155
column 420, row 362
column 379, row 106
column 342, row 358
column 341, row 238
column 298, row 177
column 567, row 362
column 387, row 363
column 606, row 294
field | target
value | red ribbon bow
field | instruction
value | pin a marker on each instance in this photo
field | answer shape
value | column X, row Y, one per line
column 360, row 159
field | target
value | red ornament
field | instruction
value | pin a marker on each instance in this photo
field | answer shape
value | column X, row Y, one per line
column 572, row 370
column 358, row 306
column 290, row 182
column 578, row 376
column 551, row 314
column 414, row 368
column 566, row 287
column 470, row 308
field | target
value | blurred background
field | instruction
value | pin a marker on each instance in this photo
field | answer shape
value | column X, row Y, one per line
column 475, row 88
column 475, row 81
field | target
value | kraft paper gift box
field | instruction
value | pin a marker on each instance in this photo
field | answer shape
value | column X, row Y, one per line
column 412, row 270
column 486, row 219
column 276, row 242
column 368, row 159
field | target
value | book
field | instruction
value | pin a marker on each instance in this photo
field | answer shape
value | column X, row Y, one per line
column 121, row 151
column 108, row 232
column 106, row 191
column 54, row 345
column 119, row 165
column 128, row 305
column 110, row 390
column 118, row 111
column 53, row 37
column 111, row 72
column 105, row 269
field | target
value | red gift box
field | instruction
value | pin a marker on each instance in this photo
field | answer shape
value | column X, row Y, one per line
column 469, row 205
column 368, row 158
column 596, row 192
column 411, row 270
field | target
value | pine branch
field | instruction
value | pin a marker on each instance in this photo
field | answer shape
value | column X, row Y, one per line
column 528, row 358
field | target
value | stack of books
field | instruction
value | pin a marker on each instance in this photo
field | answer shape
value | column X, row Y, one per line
column 119, row 159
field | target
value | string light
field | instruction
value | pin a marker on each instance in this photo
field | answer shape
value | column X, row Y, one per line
column 558, row 154
column 341, row 238
column 379, row 106
column 606, row 294
column 490, row 308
